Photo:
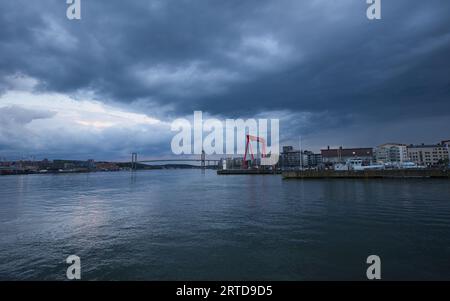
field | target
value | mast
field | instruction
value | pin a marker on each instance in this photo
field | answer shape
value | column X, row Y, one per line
column 301, row 153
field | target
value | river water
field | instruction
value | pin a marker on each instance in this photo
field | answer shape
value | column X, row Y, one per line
column 194, row 225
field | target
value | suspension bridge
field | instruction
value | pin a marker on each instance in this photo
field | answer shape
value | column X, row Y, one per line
column 204, row 162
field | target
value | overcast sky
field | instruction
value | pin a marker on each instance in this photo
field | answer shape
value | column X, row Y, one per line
column 111, row 83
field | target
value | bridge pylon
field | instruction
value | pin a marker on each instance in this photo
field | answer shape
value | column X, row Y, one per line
column 134, row 161
column 203, row 158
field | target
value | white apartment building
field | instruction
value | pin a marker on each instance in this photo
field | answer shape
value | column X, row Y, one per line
column 428, row 155
column 391, row 153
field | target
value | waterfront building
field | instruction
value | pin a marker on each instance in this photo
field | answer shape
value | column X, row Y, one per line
column 45, row 164
column 29, row 166
column 391, row 153
column 5, row 163
column 232, row 163
column 291, row 158
column 73, row 164
column 446, row 143
column 341, row 155
column 106, row 166
column 288, row 148
column 428, row 155
column 315, row 159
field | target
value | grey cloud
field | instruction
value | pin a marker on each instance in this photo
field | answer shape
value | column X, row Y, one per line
column 20, row 138
column 335, row 54
column 14, row 135
column 240, row 58
column 20, row 116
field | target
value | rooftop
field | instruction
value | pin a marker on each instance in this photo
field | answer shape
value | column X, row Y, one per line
column 426, row 146
column 347, row 152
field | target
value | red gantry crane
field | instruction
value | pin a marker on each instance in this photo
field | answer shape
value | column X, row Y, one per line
column 248, row 146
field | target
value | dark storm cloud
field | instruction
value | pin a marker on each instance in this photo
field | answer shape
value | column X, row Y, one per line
column 239, row 58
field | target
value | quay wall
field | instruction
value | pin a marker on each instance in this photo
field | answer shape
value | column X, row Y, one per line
column 387, row 173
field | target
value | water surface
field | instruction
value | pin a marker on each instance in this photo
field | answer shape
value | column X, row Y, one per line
column 189, row 225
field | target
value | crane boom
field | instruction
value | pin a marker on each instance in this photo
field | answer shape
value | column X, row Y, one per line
column 248, row 146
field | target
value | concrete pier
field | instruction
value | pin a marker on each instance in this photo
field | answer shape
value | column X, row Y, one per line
column 246, row 172
column 368, row 174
